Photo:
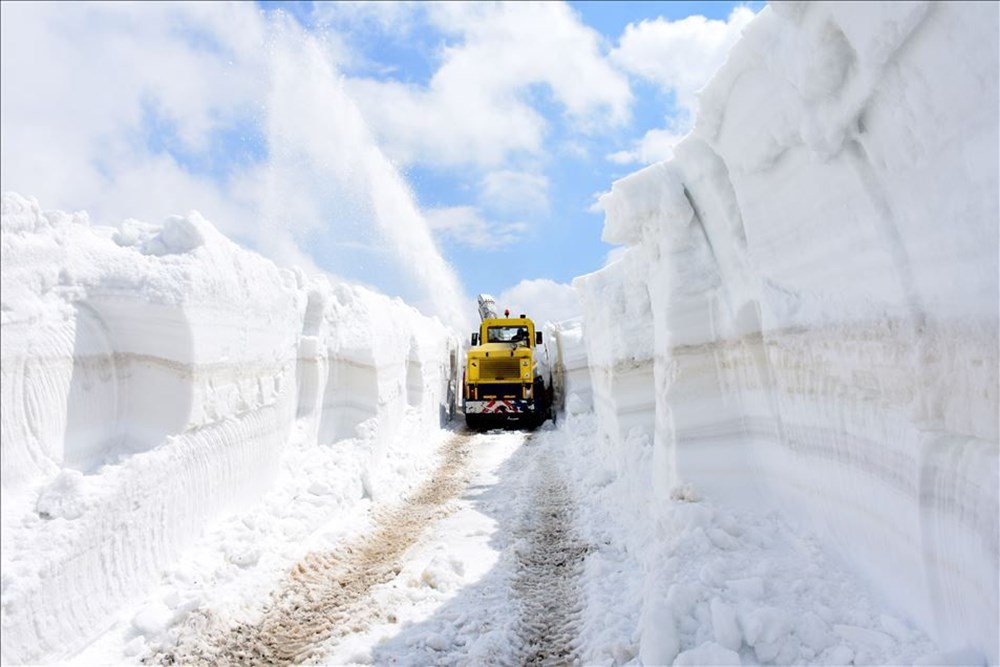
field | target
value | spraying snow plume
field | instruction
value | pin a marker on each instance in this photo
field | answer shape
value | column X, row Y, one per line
column 323, row 149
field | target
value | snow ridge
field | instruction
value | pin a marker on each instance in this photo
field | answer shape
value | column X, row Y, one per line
column 153, row 380
column 686, row 581
column 806, row 317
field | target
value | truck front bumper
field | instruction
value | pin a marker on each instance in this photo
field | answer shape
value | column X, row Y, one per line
column 511, row 406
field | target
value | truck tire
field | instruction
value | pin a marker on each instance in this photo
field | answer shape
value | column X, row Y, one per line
column 474, row 422
column 542, row 404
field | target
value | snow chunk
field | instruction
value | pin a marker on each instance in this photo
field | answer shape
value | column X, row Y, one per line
column 708, row 653
column 153, row 620
column 653, row 198
column 660, row 643
column 20, row 214
column 63, row 497
column 685, row 493
column 724, row 625
column 180, row 235
column 134, row 233
column 438, row 642
column 242, row 555
column 857, row 635
column 751, row 588
column 442, row 573
column 814, row 632
column 767, row 625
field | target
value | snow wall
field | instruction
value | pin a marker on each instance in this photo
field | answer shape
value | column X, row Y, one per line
column 806, row 315
column 570, row 369
column 152, row 377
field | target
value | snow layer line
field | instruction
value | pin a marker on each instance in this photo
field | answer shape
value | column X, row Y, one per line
column 806, row 317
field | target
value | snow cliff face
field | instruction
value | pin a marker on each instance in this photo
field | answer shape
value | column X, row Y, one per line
column 571, row 370
column 152, row 379
column 806, row 316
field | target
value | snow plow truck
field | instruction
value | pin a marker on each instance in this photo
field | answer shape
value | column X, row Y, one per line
column 507, row 380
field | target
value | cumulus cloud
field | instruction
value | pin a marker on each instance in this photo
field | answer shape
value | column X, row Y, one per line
column 465, row 226
column 80, row 82
column 679, row 57
column 542, row 299
column 477, row 108
column 510, row 191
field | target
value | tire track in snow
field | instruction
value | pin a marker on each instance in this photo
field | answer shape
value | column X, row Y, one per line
column 550, row 561
column 324, row 594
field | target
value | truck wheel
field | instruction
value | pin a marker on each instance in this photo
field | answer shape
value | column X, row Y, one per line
column 541, row 401
column 474, row 422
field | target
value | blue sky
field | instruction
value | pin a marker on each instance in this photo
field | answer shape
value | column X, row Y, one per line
column 284, row 123
column 560, row 237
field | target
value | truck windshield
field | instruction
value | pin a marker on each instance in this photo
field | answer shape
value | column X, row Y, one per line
column 517, row 335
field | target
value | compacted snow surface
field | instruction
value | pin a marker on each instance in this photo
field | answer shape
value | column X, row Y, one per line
column 778, row 441
column 511, row 551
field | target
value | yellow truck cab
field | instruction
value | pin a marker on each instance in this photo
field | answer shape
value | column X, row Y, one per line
column 503, row 379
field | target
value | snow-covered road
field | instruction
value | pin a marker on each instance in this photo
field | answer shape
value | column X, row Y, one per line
column 550, row 558
column 514, row 548
column 480, row 564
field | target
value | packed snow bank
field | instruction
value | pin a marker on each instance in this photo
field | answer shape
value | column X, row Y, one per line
column 686, row 581
column 152, row 378
column 570, row 368
column 806, row 315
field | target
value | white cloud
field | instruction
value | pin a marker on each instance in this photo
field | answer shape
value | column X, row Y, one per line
column 465, row 225
column 679, row 57
column 76, row 79
column 453, row 124
column 509, row 191
column 574, row 150
column 476, row 109
column 542, row 299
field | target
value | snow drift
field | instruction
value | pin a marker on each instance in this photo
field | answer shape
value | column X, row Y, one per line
column 152, row 379
column 806, row 315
